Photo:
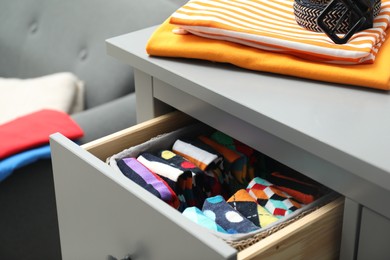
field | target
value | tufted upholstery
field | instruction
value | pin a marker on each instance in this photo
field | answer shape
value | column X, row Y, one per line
column 40, row 37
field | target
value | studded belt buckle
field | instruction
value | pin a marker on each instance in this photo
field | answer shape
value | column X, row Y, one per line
column 359, row 12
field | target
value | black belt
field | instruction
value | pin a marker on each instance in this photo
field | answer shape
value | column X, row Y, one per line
column 336, row 16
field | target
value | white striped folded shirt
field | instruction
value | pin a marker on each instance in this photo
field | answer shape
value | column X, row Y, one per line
column 270, row 25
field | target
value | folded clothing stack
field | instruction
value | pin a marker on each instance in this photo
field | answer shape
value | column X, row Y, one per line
column 270, row 25
column 26, row 139
column 206, row 178
column 263, row 35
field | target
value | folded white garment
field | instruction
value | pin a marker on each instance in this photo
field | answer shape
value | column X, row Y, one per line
column 61, row 91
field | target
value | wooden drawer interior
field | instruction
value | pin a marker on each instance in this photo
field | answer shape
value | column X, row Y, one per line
column 106, row 146
column 314, row 236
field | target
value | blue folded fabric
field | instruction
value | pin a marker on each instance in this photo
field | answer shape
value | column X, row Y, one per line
column 217, row 209
column 197, row 216
column 16, row 161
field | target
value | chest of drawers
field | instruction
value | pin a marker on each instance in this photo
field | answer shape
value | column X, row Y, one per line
column 334, row 134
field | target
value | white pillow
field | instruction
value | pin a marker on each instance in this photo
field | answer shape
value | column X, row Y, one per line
column 61, row 91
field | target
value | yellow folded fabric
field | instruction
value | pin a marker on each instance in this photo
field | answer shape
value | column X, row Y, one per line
column 270, row 25
column 165, row 43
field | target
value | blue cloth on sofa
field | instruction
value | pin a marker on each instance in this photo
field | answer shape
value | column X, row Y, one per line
column 16, row 161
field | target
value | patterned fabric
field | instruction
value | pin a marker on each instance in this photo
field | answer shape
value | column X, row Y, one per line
column 248, row 207
column 274, row 200
column 201, row 183
column 271, row 26
column 234, row 162
column 164, row 43
column 180, row 181
column 205, row 158
column 217, row 209
column 148, row 180
column 256, row 161
column 303, row 191
column 180, row 162
column 307, row 11
column 199, row 154
column 197, row 216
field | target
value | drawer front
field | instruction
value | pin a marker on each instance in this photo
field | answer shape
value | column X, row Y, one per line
column 103, row 213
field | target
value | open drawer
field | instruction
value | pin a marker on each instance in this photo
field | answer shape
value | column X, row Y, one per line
column 103, row 214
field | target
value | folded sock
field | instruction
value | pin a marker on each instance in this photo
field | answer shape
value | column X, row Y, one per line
column 148, row 180
column 197, row 216
column 256, row 161
column 302, row 191
column 16, row 161
column 224, row 140
column 34, row 129
column 227, row 217
column 180, row 162
column 274, row 200
column 234, row 162
column 248, row 207
column 180, row 181
column 206, row 159
column 200, row 154
column 200, row 184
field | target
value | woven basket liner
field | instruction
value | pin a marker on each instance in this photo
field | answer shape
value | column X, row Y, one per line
column 245, row 243
column 165, row 140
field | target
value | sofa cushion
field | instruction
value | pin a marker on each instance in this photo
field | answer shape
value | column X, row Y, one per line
column 48, row 36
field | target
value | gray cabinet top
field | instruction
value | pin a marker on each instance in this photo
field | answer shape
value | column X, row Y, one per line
column 346, row 125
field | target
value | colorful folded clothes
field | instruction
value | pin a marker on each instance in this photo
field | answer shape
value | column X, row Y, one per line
column 271, row 26
column 256, row 161
column 180, row 162
column 304, row 192
column 180, row 181
column 148, row 180
column 248, row 207
column 274, row 200
column 201, row 183
column 165, row 43
column 200, row 154
column 197, row 216
column 234, row 162
column 16, row 161
column 25, row 139
column 205, row 158
column 217, row 209
column 34, row 129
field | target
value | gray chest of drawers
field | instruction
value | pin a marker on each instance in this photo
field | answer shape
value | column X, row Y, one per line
column 337, row 135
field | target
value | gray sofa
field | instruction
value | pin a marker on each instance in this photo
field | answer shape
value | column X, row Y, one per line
column 41, row 37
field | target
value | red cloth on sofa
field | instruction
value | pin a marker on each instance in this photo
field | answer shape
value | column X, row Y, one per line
column 33, row 130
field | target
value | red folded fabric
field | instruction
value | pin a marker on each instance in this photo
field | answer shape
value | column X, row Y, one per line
column 33, row 130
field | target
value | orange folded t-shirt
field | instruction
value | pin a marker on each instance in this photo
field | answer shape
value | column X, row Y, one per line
column 165, row 43
column 270, row 25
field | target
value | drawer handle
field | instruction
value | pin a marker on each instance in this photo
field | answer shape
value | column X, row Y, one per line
column 127, row 257
column 139, row 252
